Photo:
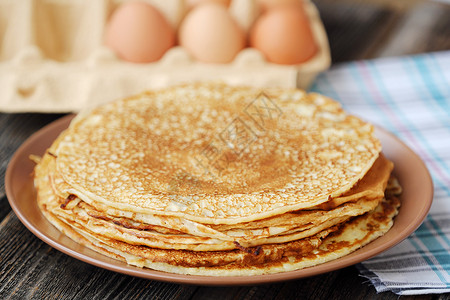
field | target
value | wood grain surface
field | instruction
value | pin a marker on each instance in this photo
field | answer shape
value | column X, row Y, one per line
column 30, row 269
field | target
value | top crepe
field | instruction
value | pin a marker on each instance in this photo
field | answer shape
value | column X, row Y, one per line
column 216, row 154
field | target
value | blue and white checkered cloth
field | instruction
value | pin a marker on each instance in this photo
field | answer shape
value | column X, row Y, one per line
column 409, row 96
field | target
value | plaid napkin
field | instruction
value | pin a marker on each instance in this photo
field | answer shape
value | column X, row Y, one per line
column 409, row 96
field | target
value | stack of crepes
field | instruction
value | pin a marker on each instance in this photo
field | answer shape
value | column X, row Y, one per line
column 210, row 179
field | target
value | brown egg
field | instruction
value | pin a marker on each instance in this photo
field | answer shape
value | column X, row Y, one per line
column 283, row 35
column 210, row 34
column 139, row 33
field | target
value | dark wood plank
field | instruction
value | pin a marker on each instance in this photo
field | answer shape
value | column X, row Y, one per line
column 4, row 208
column 264, row 291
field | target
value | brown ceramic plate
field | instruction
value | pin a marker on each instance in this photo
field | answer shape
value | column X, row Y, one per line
column 410, row 170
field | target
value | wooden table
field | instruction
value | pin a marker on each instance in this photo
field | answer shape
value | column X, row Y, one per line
column 30, row 268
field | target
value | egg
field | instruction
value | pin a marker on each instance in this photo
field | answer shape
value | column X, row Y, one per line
column 283, row 35
column 139, row 33
column 210, row 34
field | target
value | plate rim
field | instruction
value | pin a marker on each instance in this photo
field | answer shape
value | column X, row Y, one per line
column 121, row 267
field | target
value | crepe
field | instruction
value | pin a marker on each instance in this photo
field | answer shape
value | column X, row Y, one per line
column 210, row 179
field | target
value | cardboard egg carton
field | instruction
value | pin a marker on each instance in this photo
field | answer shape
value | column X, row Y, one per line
column 52, row 57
